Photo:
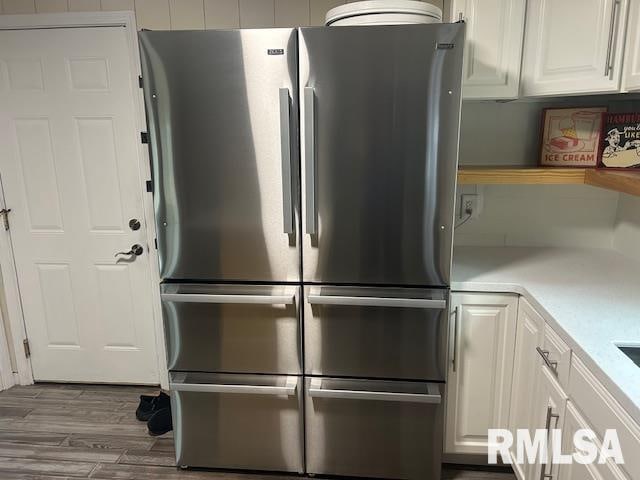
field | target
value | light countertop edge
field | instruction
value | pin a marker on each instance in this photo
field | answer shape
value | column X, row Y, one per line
column 475, row 279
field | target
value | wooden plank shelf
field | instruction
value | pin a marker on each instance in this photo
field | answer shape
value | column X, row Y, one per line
column 616, row 180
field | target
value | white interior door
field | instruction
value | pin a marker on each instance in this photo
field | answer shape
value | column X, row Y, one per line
column 70, row 173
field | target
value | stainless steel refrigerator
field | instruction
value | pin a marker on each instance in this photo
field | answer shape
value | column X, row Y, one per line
column 304, row 192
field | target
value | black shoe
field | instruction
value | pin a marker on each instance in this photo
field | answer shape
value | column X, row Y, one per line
column 150, row 404
column 160, row 422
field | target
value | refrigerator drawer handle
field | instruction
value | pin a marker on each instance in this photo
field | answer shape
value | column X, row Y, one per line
column 310, row 160
column 433, row 397
column 239, row 299
column 377, row 301
column 288, row 389
column 285, row 149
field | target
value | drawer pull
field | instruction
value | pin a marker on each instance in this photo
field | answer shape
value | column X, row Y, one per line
column 288, row 389
column 433, row 397
column 553, row 366
column 238, row 299
column 377, row 301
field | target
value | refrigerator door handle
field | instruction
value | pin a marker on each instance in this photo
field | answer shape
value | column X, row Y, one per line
column 288, row 389
column 285, row 149
column 310, row 159
column 433, row 396
column 288, row 299
column 377, row 301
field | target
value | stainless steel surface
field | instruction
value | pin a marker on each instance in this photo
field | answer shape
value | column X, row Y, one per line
column 288, row 389
column 238, row 430
column 239, row 328
column 285, row 152
column 213, row 108
column 454, row 355
column 373, row 439
column 612, row 30
column 432, row 394
column 375, row 341
column 553, row 366
column 633, row 352
column 310, row 160
column 385, row 138
column 376, row 301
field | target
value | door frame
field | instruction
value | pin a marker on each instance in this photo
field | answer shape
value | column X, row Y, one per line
column 16, row 322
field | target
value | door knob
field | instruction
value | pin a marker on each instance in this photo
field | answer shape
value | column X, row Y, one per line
column 134, row 224
column 135, row 250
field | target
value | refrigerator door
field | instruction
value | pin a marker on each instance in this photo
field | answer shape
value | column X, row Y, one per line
column 238, row 421
column 376, row 332
column 380, row 113
column 374, row 429
column 232, row 328
column 222, row 113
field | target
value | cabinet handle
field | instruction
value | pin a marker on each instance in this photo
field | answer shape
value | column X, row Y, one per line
column 553, row 366
column 547, row 425
column 612, row 30
column 455, row 340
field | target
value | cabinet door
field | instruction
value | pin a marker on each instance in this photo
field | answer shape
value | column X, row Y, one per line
column 526, row 369
column 548, row 409
column 632, row 59
column 575, row 471
column 573, row 46
column 493, row 47
column 481, row 364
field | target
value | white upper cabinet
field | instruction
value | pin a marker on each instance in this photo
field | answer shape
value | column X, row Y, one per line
column 493, row 49
column 573, row 47
column 480, row 369
column 632, row 54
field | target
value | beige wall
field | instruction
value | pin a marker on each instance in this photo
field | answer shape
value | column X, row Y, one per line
column 627, row 227
column 194, row 14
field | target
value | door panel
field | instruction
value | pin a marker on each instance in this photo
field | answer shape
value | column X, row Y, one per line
column 580, row 54
column 70, row 173
column 226, row 190
column 236, row 329
column 238, row 421
column 376, row 332
column 380, row 144
column 396, row 426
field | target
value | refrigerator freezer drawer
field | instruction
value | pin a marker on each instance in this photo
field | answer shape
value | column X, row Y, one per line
column 374, row 429
column 238, row 421
column 232, row 328
column 376, row 332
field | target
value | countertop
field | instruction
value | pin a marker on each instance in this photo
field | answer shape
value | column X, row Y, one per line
column 590, row 297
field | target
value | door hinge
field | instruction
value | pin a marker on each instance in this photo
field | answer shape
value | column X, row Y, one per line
column 155, row 242
column 140, row 81
column 27, row 348
column 144, row 137
column 150, row 186
column 5, row 217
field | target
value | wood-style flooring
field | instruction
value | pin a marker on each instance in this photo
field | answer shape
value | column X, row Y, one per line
column 56, row 431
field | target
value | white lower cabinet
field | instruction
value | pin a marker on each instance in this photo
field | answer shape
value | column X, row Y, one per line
column 576, row 471
column 526, row 369
column 480, row 369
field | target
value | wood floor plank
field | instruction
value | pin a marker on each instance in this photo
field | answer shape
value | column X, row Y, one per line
column 14, row 412
column 146, row 457
column 32, row 438
column 82, row 416
column 164, row 445
column 29, row 391
column 80, row 454
column 59, row 404
column 109, row 441
column 139, row 472
column 48, row 467
column 73, row 426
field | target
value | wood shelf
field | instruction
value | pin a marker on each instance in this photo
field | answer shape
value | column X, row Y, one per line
column 616, row 180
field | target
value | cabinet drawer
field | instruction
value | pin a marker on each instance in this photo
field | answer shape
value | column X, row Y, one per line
column 557, row 355
column 232, row 328
column 603, row 412
column 398, row 333
column 373, row 429
column 237, row 421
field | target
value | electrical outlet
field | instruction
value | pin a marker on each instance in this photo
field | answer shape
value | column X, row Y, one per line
column 469, row 205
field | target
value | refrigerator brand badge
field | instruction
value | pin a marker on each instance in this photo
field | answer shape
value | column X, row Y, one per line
column 275, row 51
